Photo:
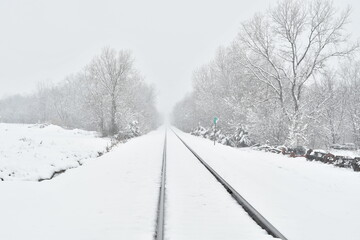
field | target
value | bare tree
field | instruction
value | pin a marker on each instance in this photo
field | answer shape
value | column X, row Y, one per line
column 111, row 70
column 350, row 74
column 286, row 46
column 329, row 121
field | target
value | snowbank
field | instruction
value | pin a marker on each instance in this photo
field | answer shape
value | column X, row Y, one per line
column 34, row 152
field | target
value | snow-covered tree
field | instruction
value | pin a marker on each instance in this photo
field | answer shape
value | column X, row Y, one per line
column 274, row 79
column 285, row 47
column 108, row 95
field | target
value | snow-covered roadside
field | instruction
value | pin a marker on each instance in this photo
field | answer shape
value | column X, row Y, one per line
column 33, row 152
column 197, row 205
column 112, row 197
column 304, row 200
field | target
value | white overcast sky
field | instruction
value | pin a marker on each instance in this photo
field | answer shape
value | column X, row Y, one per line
column 48, row 40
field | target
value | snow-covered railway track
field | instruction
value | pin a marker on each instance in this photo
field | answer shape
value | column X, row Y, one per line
column 160, row 220
column 253, row 213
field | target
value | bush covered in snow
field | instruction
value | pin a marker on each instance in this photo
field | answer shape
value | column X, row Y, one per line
column 132, row 130
column 343, row 161
column 351, row 162
column 238, row 138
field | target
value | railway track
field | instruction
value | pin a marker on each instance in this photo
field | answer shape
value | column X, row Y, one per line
column 160, row 221
column 252, row 212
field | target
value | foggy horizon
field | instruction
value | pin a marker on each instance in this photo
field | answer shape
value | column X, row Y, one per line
column 48, row 41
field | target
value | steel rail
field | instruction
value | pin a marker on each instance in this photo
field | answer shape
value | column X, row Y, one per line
column 253, row 213
column 160, row 221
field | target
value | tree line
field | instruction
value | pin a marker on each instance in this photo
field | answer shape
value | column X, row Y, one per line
column 109, row 95
column 291, row 76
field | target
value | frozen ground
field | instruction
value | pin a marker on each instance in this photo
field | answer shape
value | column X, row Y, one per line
column 304, row 200
column 33, row 152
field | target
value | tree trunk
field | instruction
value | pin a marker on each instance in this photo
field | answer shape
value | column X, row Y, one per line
column 113, row 126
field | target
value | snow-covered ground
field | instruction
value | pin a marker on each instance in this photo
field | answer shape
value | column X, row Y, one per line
column 302, row 199
column 33, row 152
column 115, row 196
column 110, row 198
column 198, row 206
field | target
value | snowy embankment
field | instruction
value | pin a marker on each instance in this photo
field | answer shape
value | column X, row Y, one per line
column 35, row 152
column 112, row 197
column 303, row 199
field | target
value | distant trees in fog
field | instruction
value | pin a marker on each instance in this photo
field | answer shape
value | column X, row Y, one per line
column 276, row 80
column 109, row 95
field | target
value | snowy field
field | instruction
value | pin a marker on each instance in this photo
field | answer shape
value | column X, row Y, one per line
column 110, row 198
column 33, row 152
